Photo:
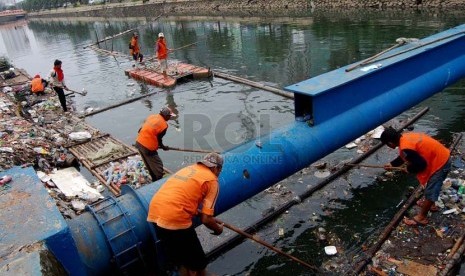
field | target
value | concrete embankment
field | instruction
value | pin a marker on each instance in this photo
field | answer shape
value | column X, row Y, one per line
column 243, row 7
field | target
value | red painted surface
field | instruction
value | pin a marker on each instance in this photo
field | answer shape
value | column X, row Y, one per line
column 175, row 72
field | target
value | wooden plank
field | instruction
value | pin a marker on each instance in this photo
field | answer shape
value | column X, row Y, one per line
column 115, row 159
column 416, row 269
column 79, row 156
column 83, row 142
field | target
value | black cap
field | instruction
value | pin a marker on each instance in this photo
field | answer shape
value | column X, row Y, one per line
column 390, row 135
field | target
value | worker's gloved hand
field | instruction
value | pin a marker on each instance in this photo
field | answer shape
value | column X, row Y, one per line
column 219, row 231
column 163, row 147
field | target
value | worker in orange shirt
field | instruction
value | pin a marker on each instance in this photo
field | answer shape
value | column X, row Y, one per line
column 192, row 191
column 150, row 138
column 135, row 49
column 38, row 85
column 162, row 53
column 424, row 156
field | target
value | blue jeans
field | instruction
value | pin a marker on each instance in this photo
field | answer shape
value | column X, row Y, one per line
column 434, row 185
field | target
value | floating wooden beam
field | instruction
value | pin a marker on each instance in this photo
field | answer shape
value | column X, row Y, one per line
column 111, row 53
column 254, row 84
column 118, row 104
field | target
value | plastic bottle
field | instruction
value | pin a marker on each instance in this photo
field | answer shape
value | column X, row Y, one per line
column 461, row 190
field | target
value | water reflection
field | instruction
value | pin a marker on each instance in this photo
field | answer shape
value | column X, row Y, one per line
column 15, row 38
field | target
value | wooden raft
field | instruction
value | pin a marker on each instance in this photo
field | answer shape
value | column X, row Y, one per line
column 86, row 148
column 97, row 168
column 175, row 72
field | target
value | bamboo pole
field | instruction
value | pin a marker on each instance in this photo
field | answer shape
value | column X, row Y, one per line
column 191, row 150
column 374, row 166
column 108, row 52
column 168, row 170
column 420, row 45
column 83, row 93
column 116, row 35
column 185, row 46
column 254, row 84
column 179, row 48
column 275, row 249
column 454, row 259
column 365, row 61
column 456, row 246
column 117, row 105
column 108, row 38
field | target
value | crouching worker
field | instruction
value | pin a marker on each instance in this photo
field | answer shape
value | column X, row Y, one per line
column 38, row 85
column 150, row 138
column 425, row 157
column 192, row 191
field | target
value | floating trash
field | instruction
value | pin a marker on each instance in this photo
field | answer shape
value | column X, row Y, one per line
column 330, row 250
column 80, row 136
column 322, row 173
column 351, row 145
column 450, row 211
column 377, row 132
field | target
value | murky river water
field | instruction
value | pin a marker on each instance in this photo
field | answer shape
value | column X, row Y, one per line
column 277, row 52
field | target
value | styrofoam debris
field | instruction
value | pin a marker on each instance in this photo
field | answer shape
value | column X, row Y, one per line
column 43, row 176
column 377, row 132
column 450, row 211
column 351, row 145
column 330, row 250
column 79, row 136
column 78, row 205
column 6, row 149
column 322, row 173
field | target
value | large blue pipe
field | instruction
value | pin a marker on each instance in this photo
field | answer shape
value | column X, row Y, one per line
column 343, row 106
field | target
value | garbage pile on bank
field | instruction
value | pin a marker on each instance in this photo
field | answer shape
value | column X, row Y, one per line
column 36, row 138
column 34, row 131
